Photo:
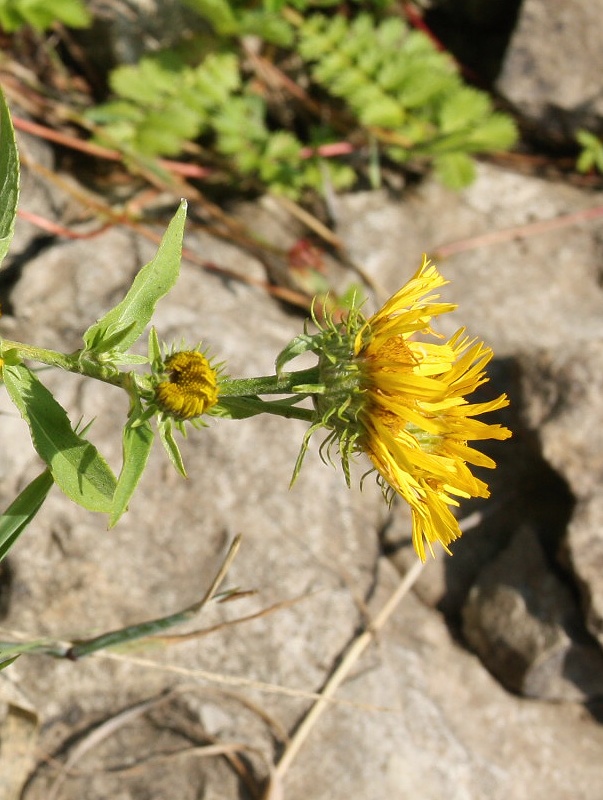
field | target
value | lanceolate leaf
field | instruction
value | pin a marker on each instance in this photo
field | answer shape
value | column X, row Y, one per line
column 22, row 510
column 170, row 445
column 122, row 326
column 137, row 443
column 9, row 178
column 76, row 466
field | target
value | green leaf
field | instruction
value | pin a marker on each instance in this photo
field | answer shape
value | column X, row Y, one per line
column 454, row 170
column 132, row 315
column 76, row 466
column 9, row 179
column 218, row 13
column 303, row 343
column 136, row 443
column 497, row 132
column 268, row 27
column 592, row 154
column 41, row 14
column 154, row 349
column 166, row 434
column 462, row 108
column 22, row 510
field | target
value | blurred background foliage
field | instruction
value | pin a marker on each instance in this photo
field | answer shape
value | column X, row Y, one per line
column 291, row 96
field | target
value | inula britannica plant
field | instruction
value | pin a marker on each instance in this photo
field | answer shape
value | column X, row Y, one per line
column 385, row 387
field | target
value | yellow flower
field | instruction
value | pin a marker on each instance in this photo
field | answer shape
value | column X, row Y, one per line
column 192, row 388
column 415, row 420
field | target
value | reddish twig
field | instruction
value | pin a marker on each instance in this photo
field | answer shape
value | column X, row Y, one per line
column 59, row 230
column 518, row 232
column 92, row 149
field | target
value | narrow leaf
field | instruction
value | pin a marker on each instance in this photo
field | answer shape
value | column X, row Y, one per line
column 22, row 510
column 122, row 326
column 170, row 445
column 137, row 443
column 75, row 464
column 9, row 178
column 301, row 344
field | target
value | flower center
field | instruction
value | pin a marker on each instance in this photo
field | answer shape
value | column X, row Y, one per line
column 192, row 387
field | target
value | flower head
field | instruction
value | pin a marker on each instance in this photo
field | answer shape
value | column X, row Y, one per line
column 191, row 388
column 416, row 418
column 403, row 402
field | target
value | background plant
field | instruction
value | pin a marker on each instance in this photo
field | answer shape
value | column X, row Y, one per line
column 591, row 155
column 14, row 14
column 259, row 93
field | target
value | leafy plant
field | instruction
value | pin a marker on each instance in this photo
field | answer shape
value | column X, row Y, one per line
column 387, row 86
column 409, row 94
column 591, row 156
column 42, row 14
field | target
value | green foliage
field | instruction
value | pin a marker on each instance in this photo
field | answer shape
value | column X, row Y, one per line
column 395, row 89
column 9, row 179
column 395, row 80
column 120, row 327
column 137, row 441
column 42, row 14
column 591, row 156
column 234, row 19
column 22, row 510
column 75, row 464
column 163, row 102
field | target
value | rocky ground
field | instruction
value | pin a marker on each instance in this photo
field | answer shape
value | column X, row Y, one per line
column 486, row 681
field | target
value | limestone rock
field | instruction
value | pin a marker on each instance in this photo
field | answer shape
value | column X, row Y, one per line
column 526, row 626
column 551, row 69
column 563, row 391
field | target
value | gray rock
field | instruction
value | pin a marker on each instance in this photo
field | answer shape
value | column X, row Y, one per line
column 517, row 286
column 585, row 553
column 525, row 625
column 563, row 404
column 552, row 67
column 455, row 732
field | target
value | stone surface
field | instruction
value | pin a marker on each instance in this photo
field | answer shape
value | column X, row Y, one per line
column 585, row 554
column 456, row 733
column 552, row 66
column 523, row 288
column 525, row 625
column 563, row 393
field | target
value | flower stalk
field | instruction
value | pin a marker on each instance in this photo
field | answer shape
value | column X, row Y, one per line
column 16, row 352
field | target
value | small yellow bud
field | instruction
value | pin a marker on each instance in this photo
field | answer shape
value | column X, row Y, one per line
column 192, row 387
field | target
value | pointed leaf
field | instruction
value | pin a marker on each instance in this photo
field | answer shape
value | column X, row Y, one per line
column 170, row 445
column 301, row 344
column 126, row 322
column 137, row 444
column 22, row 510
column 9, row 179
column 76, row 466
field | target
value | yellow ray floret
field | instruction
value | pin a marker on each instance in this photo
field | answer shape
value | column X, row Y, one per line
column 417, row 422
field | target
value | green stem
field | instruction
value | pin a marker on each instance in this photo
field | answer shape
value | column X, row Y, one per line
column 70, row 363
column 286, row 383
column 244, row 407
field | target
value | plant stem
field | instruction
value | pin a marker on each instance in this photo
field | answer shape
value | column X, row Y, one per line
column 243, row 407
column 286, row 383
column 70, row 363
